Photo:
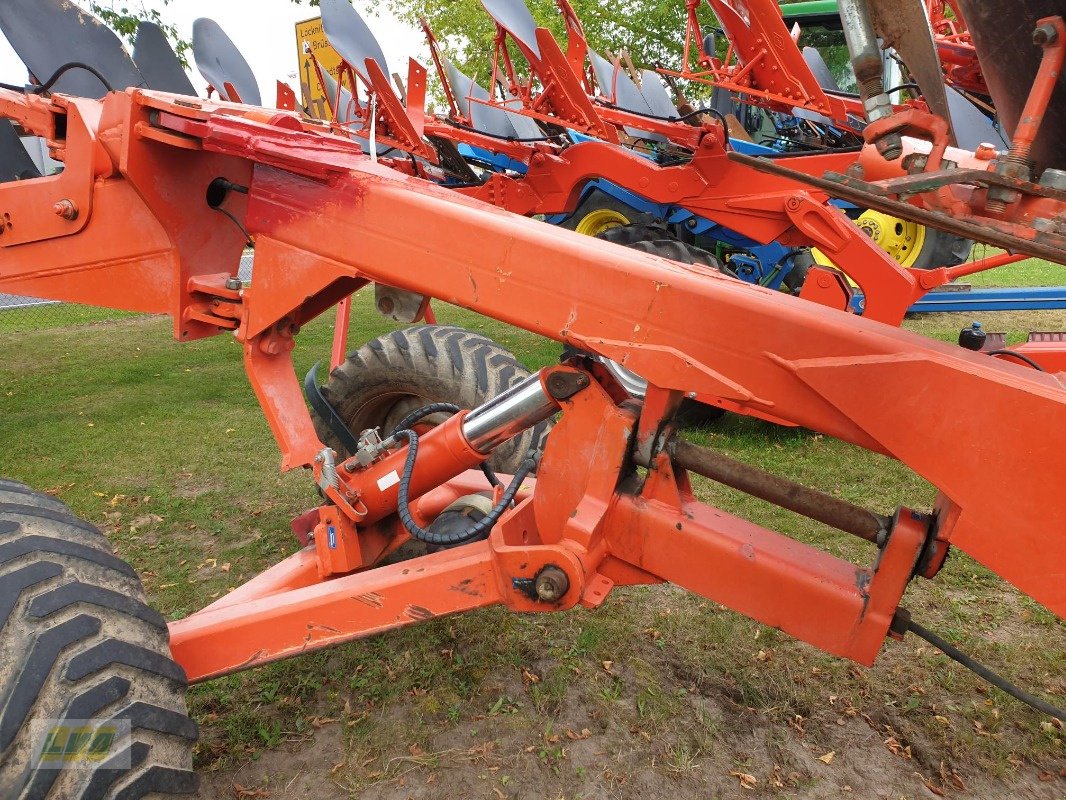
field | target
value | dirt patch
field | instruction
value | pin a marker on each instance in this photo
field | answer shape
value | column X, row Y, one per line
column 190, row 486
column 584, row 753
column 647, row 724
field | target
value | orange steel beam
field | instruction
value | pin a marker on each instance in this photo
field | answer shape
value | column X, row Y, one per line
column 311, row 195
column 746, row 201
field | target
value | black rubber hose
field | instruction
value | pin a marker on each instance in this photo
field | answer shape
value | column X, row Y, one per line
column 1019, row 356
column 48, row 84
column 955, row 654
column 441, row 408
column 475, row 531
column 421, row 413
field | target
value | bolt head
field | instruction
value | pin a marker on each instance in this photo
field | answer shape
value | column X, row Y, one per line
column 551, row 584
column 66, row 209
column 1044, row 35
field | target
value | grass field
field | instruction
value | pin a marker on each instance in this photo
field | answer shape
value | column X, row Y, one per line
column 657, row 694
column 1031, row 272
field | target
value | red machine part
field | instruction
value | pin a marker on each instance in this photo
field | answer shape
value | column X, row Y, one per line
column 591, row 518
column 709, row 185
column 762, row 63
column 955, row 46
column 997, row 202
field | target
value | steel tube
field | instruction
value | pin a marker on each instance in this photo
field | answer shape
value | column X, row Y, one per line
column 508, row 414
column 833, row 511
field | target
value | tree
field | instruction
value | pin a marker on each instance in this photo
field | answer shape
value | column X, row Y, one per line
column 652, row 31
column 123, row 19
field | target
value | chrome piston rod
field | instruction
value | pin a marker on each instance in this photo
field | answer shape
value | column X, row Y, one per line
column 505, row 416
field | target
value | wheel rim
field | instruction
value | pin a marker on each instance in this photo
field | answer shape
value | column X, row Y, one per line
column 602, row 219
column 901, row 239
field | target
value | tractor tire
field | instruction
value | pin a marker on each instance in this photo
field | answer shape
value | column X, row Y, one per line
column 942, row 249
column 599, row 213
column 78, row 642
column 395, row 374
column 912, row 245
column 657, row 240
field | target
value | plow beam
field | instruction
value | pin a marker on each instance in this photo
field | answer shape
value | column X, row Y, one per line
column 324, row 220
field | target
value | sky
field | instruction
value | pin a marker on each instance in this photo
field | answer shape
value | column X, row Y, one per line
column 263, row 31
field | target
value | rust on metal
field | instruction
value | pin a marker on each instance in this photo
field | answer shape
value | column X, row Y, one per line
column 832, row 511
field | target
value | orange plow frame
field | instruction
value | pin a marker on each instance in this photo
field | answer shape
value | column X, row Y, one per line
column 323, row 219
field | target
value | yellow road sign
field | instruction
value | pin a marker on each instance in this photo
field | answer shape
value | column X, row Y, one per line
column 309, row 34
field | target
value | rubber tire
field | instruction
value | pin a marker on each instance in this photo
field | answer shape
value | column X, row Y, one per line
column 78, row 641
column 395, row 374
column 597, row 200
column 942, row 249
column 657, row 240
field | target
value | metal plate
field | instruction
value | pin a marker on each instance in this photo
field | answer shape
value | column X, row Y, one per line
column 158, row 62
column 524, row 126
column 350, row 36
column 615, row 82
column 220, row 62
column 972, row 128
column 46, row 34
column 656, row 96
column 904, row 25
column 15, row 162
column 487, row 119
column 346, row 112
column 491, row 121
column 820, row 70
column 1002, row 32
column 514, row 17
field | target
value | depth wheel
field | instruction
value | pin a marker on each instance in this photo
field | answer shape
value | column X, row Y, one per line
column 78, row 642
column 599, row 213
column 391, row 376
column 910, row 244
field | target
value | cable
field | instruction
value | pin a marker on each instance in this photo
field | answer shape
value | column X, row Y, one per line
column 1019, row 356
column 441, row 408
column 247, row 237
column 955, row 654
column 476, row 530
column 48, row 84
column 911, row 86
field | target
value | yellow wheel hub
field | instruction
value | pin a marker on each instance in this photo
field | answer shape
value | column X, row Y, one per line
column 901, row 239
column 600, row 220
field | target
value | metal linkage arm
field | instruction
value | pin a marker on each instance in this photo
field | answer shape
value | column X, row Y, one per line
column 673, row 325
column 324, row 221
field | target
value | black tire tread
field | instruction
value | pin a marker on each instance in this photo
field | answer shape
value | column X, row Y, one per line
column 942, row 249
column 17, row 493
column 78, row 641
column 439, row 363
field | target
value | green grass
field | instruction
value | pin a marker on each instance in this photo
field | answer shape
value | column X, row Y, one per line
column 164, row 446
column 1031, row 272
